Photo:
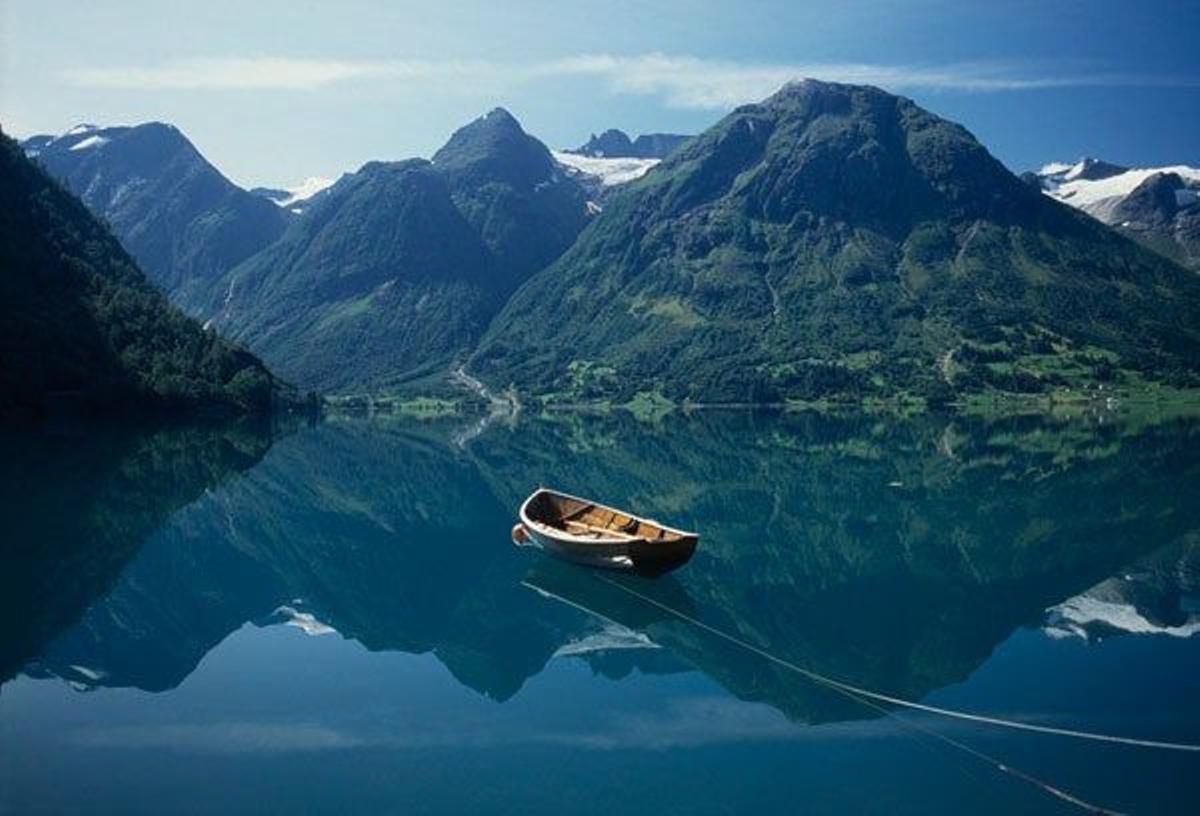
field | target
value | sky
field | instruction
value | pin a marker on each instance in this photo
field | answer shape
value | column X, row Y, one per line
column 274, row 92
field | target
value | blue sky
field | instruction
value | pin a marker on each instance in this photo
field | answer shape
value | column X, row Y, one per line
column 273, row 92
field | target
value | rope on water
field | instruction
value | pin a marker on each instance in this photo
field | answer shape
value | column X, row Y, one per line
column 898, row 701
column 843, row 689
column 1002, row 767
column 868, row 699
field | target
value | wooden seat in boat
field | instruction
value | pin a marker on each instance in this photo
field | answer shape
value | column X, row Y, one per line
column 593, row 533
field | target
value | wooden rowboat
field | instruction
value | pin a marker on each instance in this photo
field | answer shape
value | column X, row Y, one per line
column 594, row 534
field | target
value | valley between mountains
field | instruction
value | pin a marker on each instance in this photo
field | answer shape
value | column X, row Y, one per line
column 830, row 244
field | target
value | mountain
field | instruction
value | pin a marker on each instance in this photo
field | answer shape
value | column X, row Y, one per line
column 34, row 144
column 396, row 270
column 839, row 241
column 1163, row 212
column 510, row 189
column 182, row 221
column 79, row 321
column 613, row 144
column 383, row 277
column 1057, row 174
column 1157, row 206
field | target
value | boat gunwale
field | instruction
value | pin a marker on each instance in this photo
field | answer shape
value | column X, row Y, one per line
column 587, row 540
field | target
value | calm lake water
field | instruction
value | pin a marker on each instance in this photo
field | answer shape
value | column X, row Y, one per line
column 333, row 619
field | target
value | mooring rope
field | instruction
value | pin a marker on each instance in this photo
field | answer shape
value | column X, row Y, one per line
column 870, row 698
column 843, row 689
column 1002, row 767
column 899, row 701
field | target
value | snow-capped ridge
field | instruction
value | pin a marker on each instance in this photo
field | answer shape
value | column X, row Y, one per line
column 1081, row 615
column 81, row 128
column 1091, row 169
column 1077, row 185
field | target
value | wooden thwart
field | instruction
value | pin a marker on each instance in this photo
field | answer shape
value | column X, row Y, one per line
column 597, row 535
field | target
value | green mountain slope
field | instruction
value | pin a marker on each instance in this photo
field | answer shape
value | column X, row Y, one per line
column 832, row 241
column 382, row 276
column 397, row 269
column 77, row 317
column 182, row 221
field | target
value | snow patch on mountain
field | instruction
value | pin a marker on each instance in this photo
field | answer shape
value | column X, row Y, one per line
column 612, row 637
column 610, row 172
column 89, row 142
column 305, row 190
column 306, row 622
column 1083, row 615
column 91, row 674
column 1054, row 169
column 1084, row 192
column 80, row 129
column 1067, row 183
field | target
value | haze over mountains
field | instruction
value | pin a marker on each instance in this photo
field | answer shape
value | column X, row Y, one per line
column 833, row 241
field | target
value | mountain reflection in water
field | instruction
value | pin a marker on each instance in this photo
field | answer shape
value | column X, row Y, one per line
column 930, row 558
column 894, row 555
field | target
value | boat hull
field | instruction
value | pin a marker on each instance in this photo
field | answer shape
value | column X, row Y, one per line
column 625, row 552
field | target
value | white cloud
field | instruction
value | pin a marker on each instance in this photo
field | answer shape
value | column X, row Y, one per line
column 680, row 81
column 690, row 82
column 259, row 73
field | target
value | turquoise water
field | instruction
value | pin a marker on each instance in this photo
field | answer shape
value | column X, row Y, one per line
column 332, row 618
